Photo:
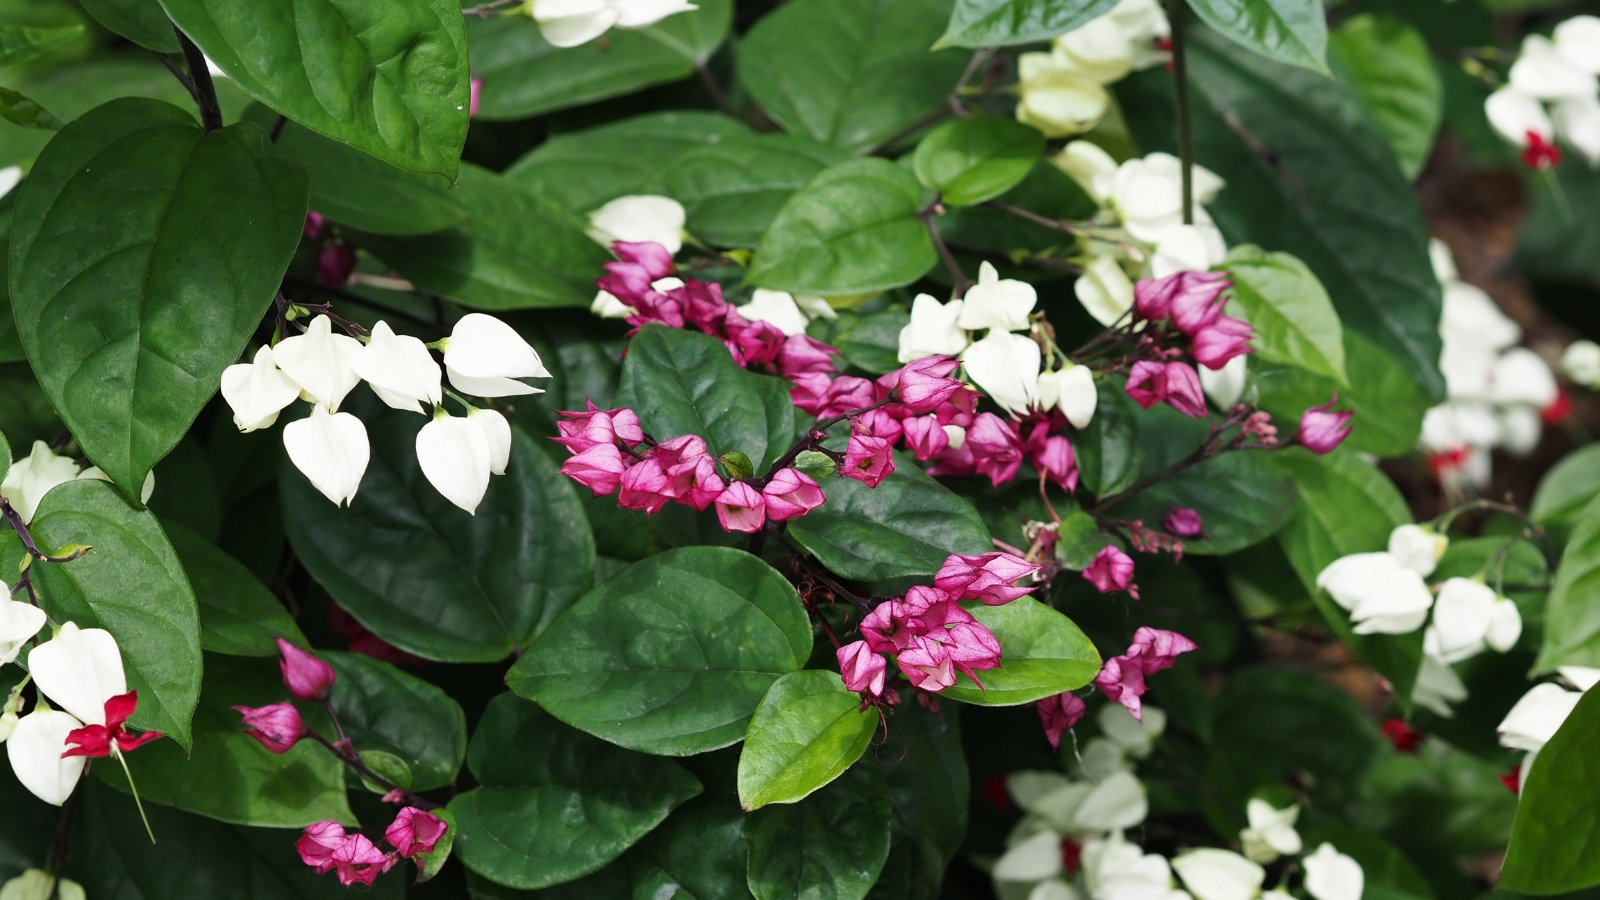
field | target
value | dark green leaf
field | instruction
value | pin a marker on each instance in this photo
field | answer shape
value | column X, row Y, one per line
column 1390, row 65
column 683, row 382
column 401, row 548
column 524, row 76
column 1567, row 488
column 830, row 845
column 1109, row 456
column 19, row 43
column 1555, row 841
column 519, row 250
column 1080, row 540
column 1263, row 715
column 1555, row 244
column 556, row 804
column 872, row 342
column 431, row 863
column 806, row 732
column 907, row 525
column 188, row 493
column 385, row 76
column 142, row 21
column 229, row 776
column 929, row 787
column 1290, row 31
column 238, row 615
column 972, row 160
column 1387, row 401
column 1387, row 874
column 852, row 73
column 143, row 255
column 989, row 23
column 1572, row 615
column 1042, row 653
column 133, row 586
column 671, row 655
column 20, row 110
column 1293, row 317
column 383, row 708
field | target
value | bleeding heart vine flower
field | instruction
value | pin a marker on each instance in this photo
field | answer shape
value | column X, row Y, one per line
column 257, row 391
column 483, row 356
column 331, row 450
column 399, row 369
column 36, row 751
column 19, row 622
column 1270, row 832
column 454, row 454
column 319, row 361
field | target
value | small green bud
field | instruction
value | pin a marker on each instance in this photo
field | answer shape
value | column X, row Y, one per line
column 737, row 464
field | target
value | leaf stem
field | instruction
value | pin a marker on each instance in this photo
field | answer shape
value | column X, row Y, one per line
column 205, row 92
column 1180, row 76
column 962, row 282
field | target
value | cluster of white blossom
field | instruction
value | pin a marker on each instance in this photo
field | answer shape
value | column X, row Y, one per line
column 1552, row 93
column 568, row 23
column 1533, row 721
column 30, row 478
column 483, row 357
column 1064, row 91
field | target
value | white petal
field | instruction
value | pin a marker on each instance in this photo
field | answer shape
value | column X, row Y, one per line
column 997, row 303
column 19, row 622
column 639, row 218
column 776, row 307
column 932, row 330
column 1077, row 396
column 1534, row 719
column 399, row 368
column 490, row 386
column 1105, row 290
column 1006, row 367
column 1578, row 41
column 79, row 670
column 1065, row 106
column 1114, row 804
column 1577, row 120
column 1505, row 625
column 35, row 749
column 1438, row 687
column 1522, row 376
column 1418, row 549
column 607, row 306
column 565, row 23
column 1461, row 614
column 1581, row 362
column 1027, row 786
column 1540, row 71
column 30, row 478
column 454, row 455
column 1330, row 875
column 1225, row 386
column 10, row 177
column 481, row 346
column 319, row 362
column 1582, row 677
column 1212, row 874
column 644, row 13
column 1102, row 759
column 257, row 391
column 1088, row 165
column 1514, row 114
column 331, row 450
column 1034, row 859
column 498, row 433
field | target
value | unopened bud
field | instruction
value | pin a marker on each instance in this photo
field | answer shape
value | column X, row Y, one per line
column 737, row 464
column 306, row 677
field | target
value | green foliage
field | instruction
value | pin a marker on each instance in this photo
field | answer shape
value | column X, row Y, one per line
column 382, row 708
column 142, row 21
column 20, row 44
column 986, row 23
column 1387, row 402
column 1290, row 31
column 1553, row 840
column 832, row 843
column 1293, row 317
column 1390, row 65
column 968, row 161
column 806, row 732
column 238, row 615
column 1042, row 653
column 734, row 188
column 1572, row 618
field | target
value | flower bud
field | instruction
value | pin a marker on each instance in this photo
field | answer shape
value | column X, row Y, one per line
column 1111, row 570
column 776, row 308
column 335, row 263
column 306, row 676
column 454, row 455
column 1581, row 363
column 37, row 884
column 1072, row 391
column 319, row 362
column 867, row 459
column 862, row 670
column 331, row 450
column 599, row 468
column 277, row 727
column 1183, row 522
column 741, row 508
column 483, row 355
column 1058, row 714
column 923, row 386
column 791, row 494
column 399, row 368
column 1418, row 547
column 414, row 831
column 1320, row 430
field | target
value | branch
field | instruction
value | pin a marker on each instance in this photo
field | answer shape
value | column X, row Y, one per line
column 718, row 95
column 205, row 93
column 350, row 297
column 1180, row 75
column 962, row 282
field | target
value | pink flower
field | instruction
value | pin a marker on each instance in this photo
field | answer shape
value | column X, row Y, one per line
column 1123, row 682
column 697, row 483
column 925, row 436
column 803, row 355
column 972, row 647
column 847, row 393
column 809, row 391
column 955, row 462
column 654, row 261
column 476, row 88
column 598, row 468
column 306, row 677
column 741, row 508
column 1147, row 383
column 867, row 459
column 644, row 486
column 687, row 448
column 879, row 423
column 1154, row 298
column 1199, row 301
column 1158, row 649
column 582, row 430
column 959, row 409
column 791, row 493
column 927, row 664
column 996, row 449
column 278, row 726
column 318, row 843
column 358, row 860
column 1224, row 339
column 1122, row 677
column 759, row 342
column 890, row 627
column 1058, row 714
column 935, row 609
column 922, row 385
column 990, row 577
column 1111, row 570
column 101, row 739
column 335, row 263
column 1183, row 522
column 1321, row 430
column 313, row 225
column 862, row 670
column 1151, row 382
column 414, row 831
column 1057, row 462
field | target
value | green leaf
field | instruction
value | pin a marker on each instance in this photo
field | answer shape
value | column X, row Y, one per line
column 1290, row 31
column 806, row 732
column 991, row 23
column 238, row 615
column 1308, row 173
column 683, row 382
column 671, row 655
column 1572, row 615
column 19, row 43
column 229, row 776
column 401, row 547
column 586, row 169
column 929, row 787
column 143, row 255
column 1555, row 841
column 1389, row 64
column 1387, row 401
column 1555, row 245
column 133, row 586
column 385, row 76
column 853, row 73
column 1567, row 488
column 519, row 250
column 1042, row 653
column 524, row 76
column 1293, row 317
column 1261, row 720
column 141, row 21
column 907, row 525
column 188, row 494
column 871, row 342
column 1109, row 456
column 972, row 160
column 385, row 709
column 19, row 110
column 556, row 804
column 831, row 844
column 852, row 229
column 1347, row 506
column 1080, row 540
column 733, row 189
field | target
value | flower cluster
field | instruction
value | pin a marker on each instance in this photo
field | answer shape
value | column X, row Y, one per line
column 929, row 634
column 483, row 357
column 1551, row 93
column 1121, row 679
column 327, row 847
column 1063, row 91
column 30, row 478
column 568, row 23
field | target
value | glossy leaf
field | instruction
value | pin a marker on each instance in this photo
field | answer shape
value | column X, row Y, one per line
column 831, row 844
column 238, row 615
column 683, row 382
column 672, row 654
column 1109, row 456
column 556, row 804
column 1387, row 401
column 930, row 788
column 19, row 43
column 1262, row 714
column 143, row 256
column 907, row 525
column 1567, row 488
column 142, row 21
column 387, row 709
column 1293, row 317
column 990, row 23
column 20, row 110
column 734, row 188
column 1290, row 31
column 806, row 732
column 968, row 161
column 1572, row 615
column 385, row 76
column 524, row 76
column 1391, row 67
column 1042, row 653
column 400, row 547
column 1555, row 841
column 853, row 73
column 871, row 342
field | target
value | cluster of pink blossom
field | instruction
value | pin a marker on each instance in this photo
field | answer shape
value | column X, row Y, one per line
column 930, row 635
column 1121, row 678
column 1192, row 303
column 995, row 448
column 325, row 846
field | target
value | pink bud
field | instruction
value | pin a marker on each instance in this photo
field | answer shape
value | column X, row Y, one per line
column 925, row 436
column 1158, row 649
column 306, row 677
column 359, row 861
column 1214, row 345
column 890, row 627
column 652, row 258
column 741, row 508
column 1123, row 683
column 278, row 727
column 1147, row 383
column 476, row 89
column 923, row 386
column 996, row 449
column 598, row 468
column 1057, row 462
column 414, row 831
column 335, row 263
column 313, row 225
column 318, row 843
column 1058, row 714
column 1183, row 522
column 644, row 486
column 935, row 608
column 810, row 391
column 848, row 393
column 1111, row 570
column 791, row 493
column 1198, row 301
column 867, row 459
column 862, row 670
column 972, row 647
column 760, row 342
column 1183, row 390
column 990, row 577
column 802, row 354
column 879, row 423
column 1320, row 430
column 1122, row 678
column 927, row 664
column 696, row 482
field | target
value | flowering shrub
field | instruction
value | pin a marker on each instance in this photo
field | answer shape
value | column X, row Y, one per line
column 893, row 449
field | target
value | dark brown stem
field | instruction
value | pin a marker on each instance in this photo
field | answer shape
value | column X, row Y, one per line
column 350, row 297
column 962, row 282
column 819, row 573
column 178, row 73
column 1033, row 217
column 718, row 95
column 1180, row 75
column 14, row 519
column 813, row 439
column 277, row 128
column 353, row 759
column 205, row 93
column 1213, row 446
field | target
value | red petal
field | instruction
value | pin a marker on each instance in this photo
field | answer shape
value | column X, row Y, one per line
column 119, row 708
column 91, row 740
column 127, row 740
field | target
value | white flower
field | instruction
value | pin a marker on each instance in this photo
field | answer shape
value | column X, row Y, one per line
column 776, row 307
column 1149, row 194
column 932, row 330
column 331, row 449
column 1182, row 248
column 483, row 355
column 1461, row 618
column 454, row 454
column 644, row 13
column 10, row 177
column 1471, row 318
column 1071, row 390
column 1418, row 547
column 1225, row 386
column 1143, row 23
column 146, row 490
column 568, row 23
column 1034, row 859
column 1521, row 376
column 639, row 218
column 1330, row 875
column 1505, row 625
column 399, row 369
column 1132, row 736
column 607, row 306
column 319, row 361
column 1058, row 98
column 19, row 622
column 1091, row 167
column 1581, row 677
column 1438, row 687
column 1543, row 72
column 1577, row 119
column 1578, row 41
column 1102, row 758
column 37, row 884
column 1381, row 593
column 1581, row 362
column 1098, row 50
column 1521, row 428
column 815, row 307
column 497, row 431
column 996, row 303
column 1270, row 832
column 30, row 478
column 1212, row 874
column 1451, row 426
column 35, row 749
column 1533, row 721
column 1116, row 803
column 1006, row 366
column 1104, row 290
column 257, row 391
column 79, row 670
column 1114, row 869
column 1516, row 114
